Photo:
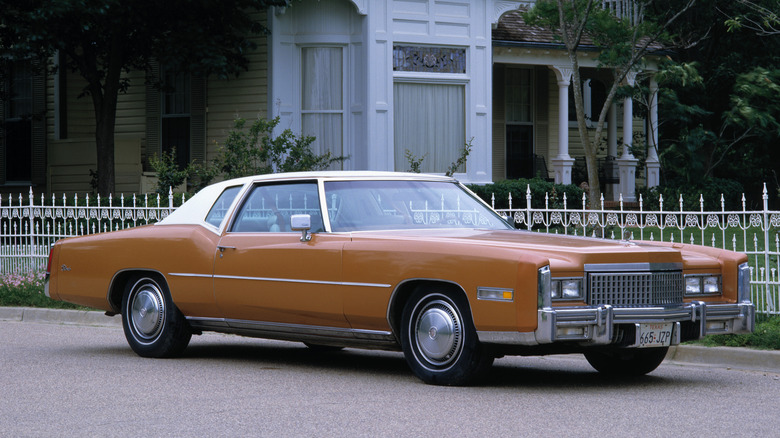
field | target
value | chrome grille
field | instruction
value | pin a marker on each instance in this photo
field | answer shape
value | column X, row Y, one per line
column 635, row 289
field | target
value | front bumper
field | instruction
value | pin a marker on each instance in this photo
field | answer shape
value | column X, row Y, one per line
column 594, row 326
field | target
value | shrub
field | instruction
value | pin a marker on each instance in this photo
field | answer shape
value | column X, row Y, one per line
column 540, row 190
column 710, row 189
column 27, row 290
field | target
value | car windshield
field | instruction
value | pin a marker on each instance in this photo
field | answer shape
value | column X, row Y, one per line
column 378, row 205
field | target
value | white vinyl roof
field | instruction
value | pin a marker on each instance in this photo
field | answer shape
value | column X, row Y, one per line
column 194, row 211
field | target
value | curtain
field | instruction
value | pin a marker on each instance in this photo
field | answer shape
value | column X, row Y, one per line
column 429, row 121
column 322, row 105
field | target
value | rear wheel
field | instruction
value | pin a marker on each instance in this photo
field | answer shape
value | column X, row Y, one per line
column 439, row 340
column 153, row 326
column 627, row 362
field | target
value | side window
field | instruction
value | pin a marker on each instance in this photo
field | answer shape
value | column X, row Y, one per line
column 219, row 209
column 268, row 208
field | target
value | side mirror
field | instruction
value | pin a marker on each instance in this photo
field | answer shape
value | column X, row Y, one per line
column 302, row 223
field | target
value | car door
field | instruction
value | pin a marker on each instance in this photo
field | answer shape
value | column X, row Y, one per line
column 263, row 272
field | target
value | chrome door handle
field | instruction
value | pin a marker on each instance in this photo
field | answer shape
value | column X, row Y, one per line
column 222, row 248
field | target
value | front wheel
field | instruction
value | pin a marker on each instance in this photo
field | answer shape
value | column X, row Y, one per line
column 439, row 340
column 628, row 362
column 153, row 326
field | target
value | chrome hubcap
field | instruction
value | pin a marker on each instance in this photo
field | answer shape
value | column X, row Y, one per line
column 439, row 333
column 147, row 311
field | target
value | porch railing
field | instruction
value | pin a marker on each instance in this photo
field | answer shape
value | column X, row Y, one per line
column 30, row 225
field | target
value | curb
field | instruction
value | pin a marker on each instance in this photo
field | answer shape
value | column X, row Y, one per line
column 719, row 357
column 726, row 357
column 59, row 316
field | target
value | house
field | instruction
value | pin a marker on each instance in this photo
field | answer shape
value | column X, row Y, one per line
column 372, row 79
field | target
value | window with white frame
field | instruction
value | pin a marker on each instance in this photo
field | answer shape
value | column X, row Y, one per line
column 429, row 106
column 430, row 123
column 322, row 99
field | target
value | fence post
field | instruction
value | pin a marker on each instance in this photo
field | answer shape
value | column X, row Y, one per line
column 529, row 213
column 765, row 229
column 31, row 248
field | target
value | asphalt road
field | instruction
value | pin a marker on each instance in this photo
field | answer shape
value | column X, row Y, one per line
column 65, row 380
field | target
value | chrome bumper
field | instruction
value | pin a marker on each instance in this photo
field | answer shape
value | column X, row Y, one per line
column 596, row 325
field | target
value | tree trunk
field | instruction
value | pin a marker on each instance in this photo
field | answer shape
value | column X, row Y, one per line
column 104, row 142
column 104, row 100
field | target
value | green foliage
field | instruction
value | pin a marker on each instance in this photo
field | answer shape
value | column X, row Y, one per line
column 103, row 40
column 460, row 162
column 766, row 336
column 168, row 173
column 240, row 154
column 709, row 189
column 541, row 191
column 27, row 291
column 415, row 162
column 254, row 150
column 724, row 123
column 756, row 101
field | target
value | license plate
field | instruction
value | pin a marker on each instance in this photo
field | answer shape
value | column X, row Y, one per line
column 655, row 335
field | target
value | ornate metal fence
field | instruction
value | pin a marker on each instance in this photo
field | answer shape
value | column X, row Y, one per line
column 28, row 227
column 752, row 232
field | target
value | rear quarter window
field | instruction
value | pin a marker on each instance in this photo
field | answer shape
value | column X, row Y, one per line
column 219, row 210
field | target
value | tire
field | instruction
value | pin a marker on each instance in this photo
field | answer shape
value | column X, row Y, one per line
column 154, row 326
column 439, row 340
column 629, row 362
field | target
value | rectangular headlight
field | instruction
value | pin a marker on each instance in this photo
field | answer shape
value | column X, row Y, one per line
column 692, row 285
column 702, row 285
column 567, row 289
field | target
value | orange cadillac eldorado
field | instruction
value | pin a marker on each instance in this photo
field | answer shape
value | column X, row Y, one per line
column 397, row 261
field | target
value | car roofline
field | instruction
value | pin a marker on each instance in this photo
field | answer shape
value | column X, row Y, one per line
column 200, row 203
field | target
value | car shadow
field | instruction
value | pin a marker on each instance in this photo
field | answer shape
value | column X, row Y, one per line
column 529, row 373
column 279, row 355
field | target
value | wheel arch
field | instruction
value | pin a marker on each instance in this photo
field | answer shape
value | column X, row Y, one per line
column 406, row 288
column 117, row 287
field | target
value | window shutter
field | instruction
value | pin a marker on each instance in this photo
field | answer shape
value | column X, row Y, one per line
column 39, row 127
column 153, row 112
column 198, row 119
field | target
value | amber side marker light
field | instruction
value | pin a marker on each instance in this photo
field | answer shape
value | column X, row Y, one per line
column 495, row 294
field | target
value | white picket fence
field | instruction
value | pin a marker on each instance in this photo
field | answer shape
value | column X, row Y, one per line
column 28, row 228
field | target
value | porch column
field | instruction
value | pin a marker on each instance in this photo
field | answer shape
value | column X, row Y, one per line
column 563, row 163
column 627, row 162
column 653, row 165
column 611, row 189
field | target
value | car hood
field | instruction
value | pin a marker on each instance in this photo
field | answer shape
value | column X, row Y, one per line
column 565, row 253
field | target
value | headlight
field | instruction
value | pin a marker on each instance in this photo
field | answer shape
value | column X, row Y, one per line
column 567, row 289
column 702, row 285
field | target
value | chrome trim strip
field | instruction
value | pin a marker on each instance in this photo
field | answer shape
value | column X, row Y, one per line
column 281, row 280
column 296, row 332
column 632, row 267
column 508, row 338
